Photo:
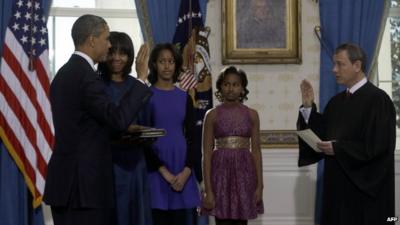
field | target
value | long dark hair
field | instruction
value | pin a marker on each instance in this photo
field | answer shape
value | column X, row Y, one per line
column 155, row 53
column 119, row 42
column 243, row 79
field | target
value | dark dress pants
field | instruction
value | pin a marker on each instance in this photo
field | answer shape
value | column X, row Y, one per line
column 81, row 216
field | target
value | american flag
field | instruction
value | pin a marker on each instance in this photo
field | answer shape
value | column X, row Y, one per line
column 189, row 17
column 26, row 125
column 187, row 80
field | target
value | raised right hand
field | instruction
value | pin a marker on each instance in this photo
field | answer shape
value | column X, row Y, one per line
column 307, row 93
column 142, row 60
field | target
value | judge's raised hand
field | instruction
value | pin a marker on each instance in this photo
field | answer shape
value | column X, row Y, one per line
column 142, row 60
column 307, row 93
column 326, row 147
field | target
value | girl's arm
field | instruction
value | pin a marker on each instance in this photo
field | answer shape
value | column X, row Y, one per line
column 256, row 152
column 188, row 129
column 208, row 146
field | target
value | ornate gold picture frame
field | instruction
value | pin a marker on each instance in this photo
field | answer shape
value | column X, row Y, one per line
column 261, row 32
column 278, row 139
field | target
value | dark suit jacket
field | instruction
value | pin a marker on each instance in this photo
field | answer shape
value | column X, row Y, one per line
column 80, row 169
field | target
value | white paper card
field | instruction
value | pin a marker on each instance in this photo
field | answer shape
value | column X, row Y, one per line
column 310, row 138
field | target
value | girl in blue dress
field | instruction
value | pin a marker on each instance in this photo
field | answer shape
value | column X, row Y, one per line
column 173, row 186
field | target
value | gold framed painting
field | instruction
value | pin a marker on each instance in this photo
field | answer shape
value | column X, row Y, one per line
column 261, row 32
column 278, row 139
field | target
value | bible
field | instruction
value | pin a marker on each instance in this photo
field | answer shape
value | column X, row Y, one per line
column 138, row 135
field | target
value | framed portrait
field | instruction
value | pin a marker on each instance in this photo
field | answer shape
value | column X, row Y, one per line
column 278, row 139
column 261, row 32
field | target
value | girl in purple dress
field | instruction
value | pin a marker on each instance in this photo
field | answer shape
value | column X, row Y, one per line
column 232, row 157
column 173, row 186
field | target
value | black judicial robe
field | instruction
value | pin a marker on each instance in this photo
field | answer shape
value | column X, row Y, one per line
column 359, row 179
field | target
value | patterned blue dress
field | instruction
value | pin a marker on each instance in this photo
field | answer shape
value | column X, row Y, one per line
column 131, row 186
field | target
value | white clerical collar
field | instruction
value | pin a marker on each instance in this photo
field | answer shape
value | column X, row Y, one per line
column 358, row 85
column 88, row 59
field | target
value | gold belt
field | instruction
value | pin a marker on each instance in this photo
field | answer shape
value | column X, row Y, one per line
column 232, row 142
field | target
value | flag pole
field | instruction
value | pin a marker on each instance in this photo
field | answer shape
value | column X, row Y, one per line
column 31, row 52
column 192, row 38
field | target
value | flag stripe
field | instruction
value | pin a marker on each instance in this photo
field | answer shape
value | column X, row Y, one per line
column 28, row 128
column 188, row 81
column 44, row 81
column 25, row 106
column 22, row 58
column 34, row 158
column 19, row 152
column 31, row 153
column 46, row 120
column 24, row 150
column 29, row 90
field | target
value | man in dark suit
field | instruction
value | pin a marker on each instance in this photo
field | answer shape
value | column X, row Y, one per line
column 79, row 183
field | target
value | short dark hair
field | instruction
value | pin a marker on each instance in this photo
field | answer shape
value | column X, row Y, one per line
column 155, row 53
column 86, row 26
column 120, row 41
column 221, row 77
column 354, row 52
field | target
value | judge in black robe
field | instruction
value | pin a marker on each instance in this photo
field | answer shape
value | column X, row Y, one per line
column 358, row 130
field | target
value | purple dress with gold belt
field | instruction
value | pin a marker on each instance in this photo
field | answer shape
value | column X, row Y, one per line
column 233, row 172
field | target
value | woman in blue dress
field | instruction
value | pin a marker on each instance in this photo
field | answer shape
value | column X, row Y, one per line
column 173, row 186
column 131, row 184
